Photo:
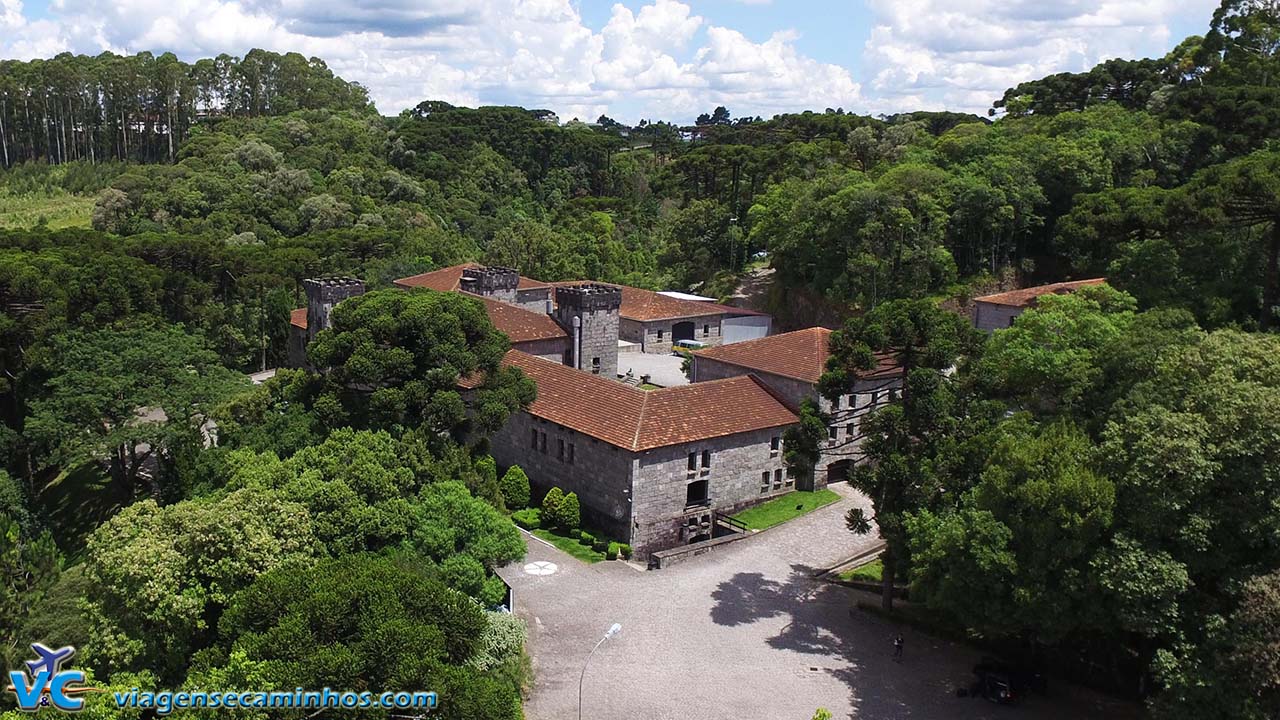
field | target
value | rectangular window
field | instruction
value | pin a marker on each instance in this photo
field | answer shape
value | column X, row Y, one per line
column 851, row 430
column 696, row 493
column 572, row 452
column 595, row 365
column 775, row 444
column 706, row 459
column 693, row 461
column 706, row 331
column 777, row 479
column 790, row 479
column 560, row 449
column 832, row 432
column 533, row 442
column 542, row 442
column 764, row 481
column 875, row 398
column 835, row 404
column 659, row 336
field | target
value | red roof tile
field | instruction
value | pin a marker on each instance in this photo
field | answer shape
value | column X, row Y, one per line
column 449, row 278
column 298, row 318
column 635, row 419
column 1026, row 297
column 799, row 355
column 648, row 306
column 521, row 325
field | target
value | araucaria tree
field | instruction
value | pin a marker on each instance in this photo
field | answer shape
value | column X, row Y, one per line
column 899, row 440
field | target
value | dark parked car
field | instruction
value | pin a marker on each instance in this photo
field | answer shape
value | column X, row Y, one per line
column 1006, row 684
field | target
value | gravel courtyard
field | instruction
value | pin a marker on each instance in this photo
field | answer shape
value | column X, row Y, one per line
column 743, row 632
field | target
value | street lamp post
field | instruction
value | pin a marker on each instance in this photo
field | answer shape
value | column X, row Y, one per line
column 613, row 630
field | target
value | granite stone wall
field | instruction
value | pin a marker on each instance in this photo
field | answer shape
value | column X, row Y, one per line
column 598, row 472
column 734, row 481
column 533, row 299
column 705, row 330
column 553, row 349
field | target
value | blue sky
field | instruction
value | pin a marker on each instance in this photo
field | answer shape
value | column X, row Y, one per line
column 669, row 59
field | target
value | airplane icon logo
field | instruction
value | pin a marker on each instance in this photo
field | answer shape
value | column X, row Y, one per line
column 50, row 661
column 49, row 683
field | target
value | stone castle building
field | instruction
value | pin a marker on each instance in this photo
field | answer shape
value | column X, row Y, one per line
column 653, row 468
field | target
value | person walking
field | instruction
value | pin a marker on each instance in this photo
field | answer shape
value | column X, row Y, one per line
column 897, row 648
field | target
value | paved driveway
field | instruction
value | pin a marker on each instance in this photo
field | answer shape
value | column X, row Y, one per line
column 664, row 369
column 742, row 633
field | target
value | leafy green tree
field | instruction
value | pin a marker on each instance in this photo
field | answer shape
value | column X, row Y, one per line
column 551, row 503
column 515, row 488
column 120, row 396
column 397, row 629
column 159, row 576
column 29, row 567
column 394, row 358
column 1051, row 360
column 900, row 439
column 569, row 514
column 802, row 443
column 1015, row 559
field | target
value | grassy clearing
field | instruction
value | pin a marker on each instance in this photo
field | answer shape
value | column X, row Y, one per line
column 77, row 501
column 866, row 573
column 568, row 545
column 56, row 210
column 788, row 507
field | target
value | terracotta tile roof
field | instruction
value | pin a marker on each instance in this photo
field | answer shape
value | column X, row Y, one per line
column 449, row 278
column 519, row 324
column 799, row 355
column 1026, row 297
column 635, row 419
column 648, row 306
column 515, row 322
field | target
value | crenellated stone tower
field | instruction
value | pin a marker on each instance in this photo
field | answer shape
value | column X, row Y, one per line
column 589, row 313
column 498, row 283
column 322, row 294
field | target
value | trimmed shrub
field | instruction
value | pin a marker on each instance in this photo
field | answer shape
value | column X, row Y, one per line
column 612, row 552
column 551, row 507
column 570, row 515
column 503, row 638
column 575, row 533
column 529, row 518
column 587, row 539
column 625, row 550
column 514, row 487
column 600, row 546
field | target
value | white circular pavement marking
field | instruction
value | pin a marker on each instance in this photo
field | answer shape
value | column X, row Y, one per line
column 540, row 567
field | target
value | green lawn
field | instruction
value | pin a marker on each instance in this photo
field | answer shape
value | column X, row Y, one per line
column 57, row 210
column 866, row 573
column 570, row 546
column 781, row 509
column 77, row 501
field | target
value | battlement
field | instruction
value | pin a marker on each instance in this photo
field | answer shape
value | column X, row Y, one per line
column 322, row 294
column 489, row 280
column 589, row 297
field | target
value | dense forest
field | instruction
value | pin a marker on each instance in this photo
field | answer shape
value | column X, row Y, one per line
column 1097, row 484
